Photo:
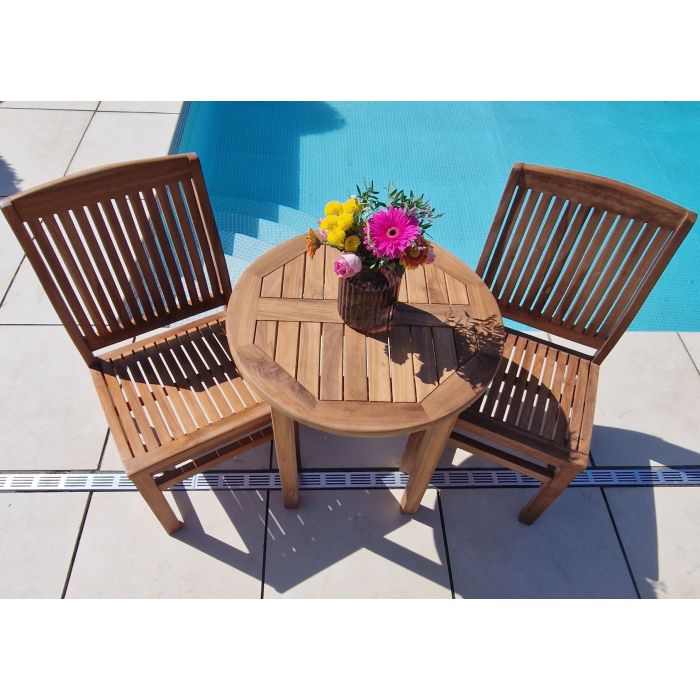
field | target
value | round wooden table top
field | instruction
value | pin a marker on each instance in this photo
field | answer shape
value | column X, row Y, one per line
column 293, row 349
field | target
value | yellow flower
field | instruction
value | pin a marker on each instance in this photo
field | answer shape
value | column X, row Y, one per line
column 352, row 243
column 345, row 221
column 329, row 223
column 351, row 206
column 333, row 207
column 336, row 238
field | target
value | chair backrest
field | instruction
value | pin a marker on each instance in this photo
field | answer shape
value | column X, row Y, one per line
column 576, row 255
column 123, row 249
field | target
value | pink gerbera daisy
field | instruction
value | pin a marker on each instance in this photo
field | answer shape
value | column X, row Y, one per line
column 391, row 232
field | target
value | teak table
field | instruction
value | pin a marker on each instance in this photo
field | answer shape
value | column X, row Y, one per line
column 293, row 350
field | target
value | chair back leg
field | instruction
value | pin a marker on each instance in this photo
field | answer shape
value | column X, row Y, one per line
column 157, row 502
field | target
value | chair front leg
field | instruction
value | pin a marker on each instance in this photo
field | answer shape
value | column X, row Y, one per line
column 548, row 492
column 157, row 502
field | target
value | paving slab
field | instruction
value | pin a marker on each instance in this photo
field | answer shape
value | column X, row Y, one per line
column 125, row 553
column 37, row 145
column 172, row 107
column 10, row 256
column 56, row 104
column 39, row 531
column 571, row 551
column 648, row 404
column 321, row 450
column 26, row 301
column 692, row 345
column 355, row 544
column 51, row 418
column 660, row 531
column 116, row 137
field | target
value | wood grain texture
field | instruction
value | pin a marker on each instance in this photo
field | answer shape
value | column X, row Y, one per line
column 574, row 255
column 127, row 249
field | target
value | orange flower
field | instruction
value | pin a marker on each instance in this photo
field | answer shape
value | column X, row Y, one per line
column 417, row 254
column 312, row 243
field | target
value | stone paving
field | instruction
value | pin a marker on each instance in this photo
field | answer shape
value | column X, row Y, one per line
column 611, row 542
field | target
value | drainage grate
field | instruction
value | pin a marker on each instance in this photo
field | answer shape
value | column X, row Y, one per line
column 447, row 478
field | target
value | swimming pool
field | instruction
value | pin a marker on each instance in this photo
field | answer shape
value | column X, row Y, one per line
column 270, row 167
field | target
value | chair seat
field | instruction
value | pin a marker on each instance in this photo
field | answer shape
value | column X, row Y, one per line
column 176, row 396
column 541, row 401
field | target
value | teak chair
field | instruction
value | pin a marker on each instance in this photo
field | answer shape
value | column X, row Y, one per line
column 574, row 255
column 124, row 250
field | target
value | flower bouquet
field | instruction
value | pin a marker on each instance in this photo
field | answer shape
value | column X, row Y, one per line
column 378, row 241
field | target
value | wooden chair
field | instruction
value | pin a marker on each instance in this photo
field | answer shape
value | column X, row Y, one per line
column 124, row 250
column 573, row 255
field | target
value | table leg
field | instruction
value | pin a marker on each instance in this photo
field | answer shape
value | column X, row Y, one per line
column 286, row 448
column 420, row 458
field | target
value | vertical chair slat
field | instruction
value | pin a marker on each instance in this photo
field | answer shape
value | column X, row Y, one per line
column 135, row 282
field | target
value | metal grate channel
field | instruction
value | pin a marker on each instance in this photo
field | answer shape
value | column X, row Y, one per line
column 448, row 479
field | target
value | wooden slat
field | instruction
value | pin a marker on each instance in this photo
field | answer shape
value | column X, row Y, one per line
column 69, row 300
column 140, row 417
column 504, row 203
column 577, row 266
column 500, row 234
column 109, row 374
column 526, row 247
column 497, row 384
column 167, row 253
column 403, row 386
column 424, row 361
column 314, row 274
column 137, row 245
column 436, row 285
column 378, row 367
column 190, row 237
column 103, row 283
column 445, row 352
column 330, row 281
column 530, row 392
column 567, row 315
column 403, row 289
column 163, row 362
column 141, row 386
column 658, row 241
column 416, row 286
column 266, row 337
column 510, row 377
column 520, row 230
column 154, row 255
column 221, row 365
column 520, row 382
column 558, row 248
column 287, row 346
column 216, row 284
column 293, row 280
column 74, row 271
column 456, row 291
column 544, row 392
column 561, row 429
column 185, row 264
column 119, row 235
column 331, row 362
column 272, row 283
column 354, row 366
column 604, row 279
column 556, row 390
column 541, row 246
column 190, row 385
column 308, row 364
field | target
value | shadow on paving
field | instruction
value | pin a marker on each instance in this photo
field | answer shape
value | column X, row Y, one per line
column 492, row 554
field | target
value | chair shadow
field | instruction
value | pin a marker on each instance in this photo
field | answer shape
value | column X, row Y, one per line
column 9, row 179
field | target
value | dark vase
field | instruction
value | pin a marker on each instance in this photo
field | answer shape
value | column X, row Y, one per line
column 367, row 301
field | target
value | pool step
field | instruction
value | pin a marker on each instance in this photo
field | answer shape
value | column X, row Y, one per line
column 259, row 219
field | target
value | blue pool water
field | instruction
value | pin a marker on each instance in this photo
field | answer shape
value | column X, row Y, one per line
column 270, row 167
